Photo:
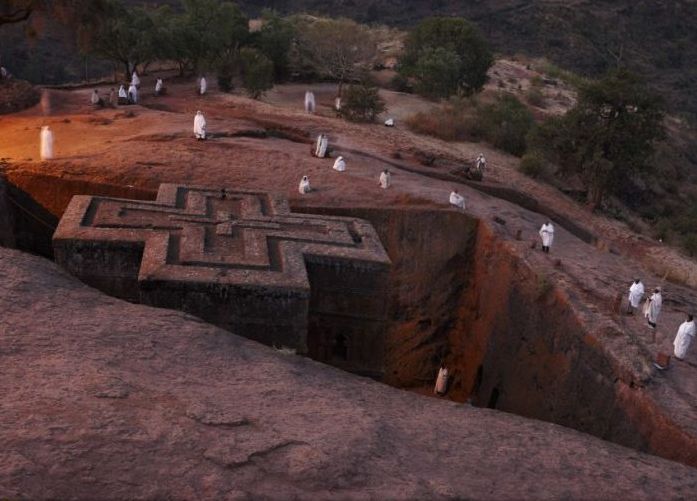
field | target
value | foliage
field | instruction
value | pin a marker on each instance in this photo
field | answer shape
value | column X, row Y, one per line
column 437, row 72
column 338, row 49
column 506, row 124
column 608, row 136
column 362, row 103
column 455, row 120
column 439, row 41
column 532, row 165
column 274, row 40
column 257, row 72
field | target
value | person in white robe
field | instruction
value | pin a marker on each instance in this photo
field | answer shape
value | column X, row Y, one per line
column 309, row 102
column 385, row 179
column 199, row 126
column 442, row 380
column 135, row 80
column 636, row 294
column 684, row 338
column 203, row 86
column 653, row 309
column 95, row 99
column 159, row 85
column 337, row 104
column 304, row 186
column 339, row 165
column 547, row 236
column 122, row 93
column 46, row 143
column 133, row 94
column 480, row 163
column 321, row 146
column 389, row 122
column 457, row 200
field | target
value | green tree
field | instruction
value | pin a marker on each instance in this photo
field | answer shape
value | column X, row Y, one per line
column 506, row 123
column 257, row 72
column 608, row 136
column 362, row 103
column 274, row 40
column 457, row 37
column 437, row 72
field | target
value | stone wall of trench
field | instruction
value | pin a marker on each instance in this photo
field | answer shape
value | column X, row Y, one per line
column 510, row 338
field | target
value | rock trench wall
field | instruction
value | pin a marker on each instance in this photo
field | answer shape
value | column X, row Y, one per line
column 510, row 338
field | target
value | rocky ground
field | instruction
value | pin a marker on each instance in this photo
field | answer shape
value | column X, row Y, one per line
column 266, row 145
column 120, row 401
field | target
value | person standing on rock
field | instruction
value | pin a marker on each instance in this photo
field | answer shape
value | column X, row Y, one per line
column 547, row 236
column 442, row 381
column 636, row 294
column 200, row 126
column 652, row 308
column 46, row 135
column 304, row 186
column 457, row 200
column 202, row 86
column 321, row 146
column 133, row 94
column 385, row 179
column 339, row 165
column 480, row 163
column 309, row 102
column 135, row 80
column 684, row 338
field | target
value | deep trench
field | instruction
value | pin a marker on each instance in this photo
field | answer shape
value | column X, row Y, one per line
column 456, row 293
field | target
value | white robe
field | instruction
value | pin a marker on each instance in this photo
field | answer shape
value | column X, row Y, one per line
column 309, row 102
column 95, row 98
column 457, row 200
column 340, row 164
column 304, row 186
column 46, row 143
column 654, row 307
column 547, row 234
column 158, row 85
column 442, row 381
column 389, row 122
column 636, row 292
column 685, row 336
column 385, row 178
column 203, row 86
column 122, row 92
column 135, row 81
column 321, row 146
column 481, row 162
column 337, row 104
column 200, row 126
column 133, row 92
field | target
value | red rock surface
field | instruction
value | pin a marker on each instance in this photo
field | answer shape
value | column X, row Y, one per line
column 105, row 399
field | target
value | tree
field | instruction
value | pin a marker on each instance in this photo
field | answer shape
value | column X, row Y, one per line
column 506, row 123
column 339, row 49
column 439, row 41
column 608, row 136
column 274, row 40
column 257, row 72
column 362, row 103
column 437, row 72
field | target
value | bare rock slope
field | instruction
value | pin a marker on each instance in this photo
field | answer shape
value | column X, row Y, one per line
column 104, row 399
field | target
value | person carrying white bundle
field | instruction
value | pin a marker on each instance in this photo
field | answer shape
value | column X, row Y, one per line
column 304, row 185
column 339, row 165
column 457, row 200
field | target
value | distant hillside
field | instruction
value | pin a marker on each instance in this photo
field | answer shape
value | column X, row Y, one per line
column 655, row 38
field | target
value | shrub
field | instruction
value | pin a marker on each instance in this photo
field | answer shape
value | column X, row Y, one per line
column 257, row 72
column 532, row 165
column 689, row 243
column 453, row 121
column 362, row 103
column 400, row 83
column 506, row 123
column 437, row 72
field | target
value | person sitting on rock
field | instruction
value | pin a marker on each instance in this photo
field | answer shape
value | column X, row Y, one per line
column 199, row 126
column 652, row 307
column 339, row 165
column 547, row 236
column 636, row 293
column 389, row 122
column 684, row 338
column 96, row 100
column 385, row 179
column 304, row 186
column 457, row 200
column 442, row 381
